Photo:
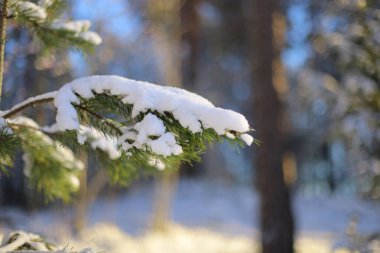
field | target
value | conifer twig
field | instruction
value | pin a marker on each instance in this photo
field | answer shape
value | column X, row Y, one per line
column 19, row 108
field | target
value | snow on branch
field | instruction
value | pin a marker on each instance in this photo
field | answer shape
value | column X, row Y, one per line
column 151, row 103
column 44, row 98
column 29, row 10
column 152, row 109
column 191, row 110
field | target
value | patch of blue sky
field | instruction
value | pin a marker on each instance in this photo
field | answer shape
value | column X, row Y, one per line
column 298, row 51
column 78, row 61
column 117, row 14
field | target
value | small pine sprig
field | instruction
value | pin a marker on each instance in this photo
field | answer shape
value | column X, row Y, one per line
column 9, row 145
column 50, row 167
column 44, row 21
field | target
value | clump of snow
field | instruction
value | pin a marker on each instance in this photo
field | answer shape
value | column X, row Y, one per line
column 157, row 163
column 74, row 26
column 150, row 125
column 150, row 133
column 99, row 140
column 91, row 37
column 14, row 241
column 165, row 145
column 192, row 111
column 74, row 181
column 31, row 10
column 231, row 136
column 248, row 139
column 80, row 28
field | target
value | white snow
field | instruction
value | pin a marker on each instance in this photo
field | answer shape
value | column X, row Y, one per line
column 150, row 125
column 91, row 37
column 248, row 139
column 150, row 133
column 157, row 163
column 165, row 145
column 21, row 238
column 80, row 28
column 208, row 216
column 231, row 136
column 74, row 181
column 74, row 26
column 31, row 10
column 99, row 140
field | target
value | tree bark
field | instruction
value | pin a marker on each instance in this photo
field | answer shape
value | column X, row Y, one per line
column 276, row 220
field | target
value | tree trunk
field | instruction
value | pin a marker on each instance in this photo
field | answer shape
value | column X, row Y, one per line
column 165, row 28
column 276, row 221
column 190, row 26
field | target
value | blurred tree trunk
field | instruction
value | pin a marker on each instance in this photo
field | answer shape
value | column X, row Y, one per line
column 190, row 30
column 190, row 26
column 268, row 79
column 165, row 28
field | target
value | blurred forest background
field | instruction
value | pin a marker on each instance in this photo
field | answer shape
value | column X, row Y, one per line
column 305, row 73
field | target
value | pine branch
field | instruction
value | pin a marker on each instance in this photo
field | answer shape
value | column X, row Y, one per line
column 51, row 167
column 41, row 99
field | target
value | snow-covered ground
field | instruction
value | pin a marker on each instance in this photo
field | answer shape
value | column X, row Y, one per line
column 207, row 217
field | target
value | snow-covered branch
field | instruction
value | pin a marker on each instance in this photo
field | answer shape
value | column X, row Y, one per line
column 192, row 112
column 30, row 102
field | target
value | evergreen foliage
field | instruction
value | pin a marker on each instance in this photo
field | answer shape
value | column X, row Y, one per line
column 50, row 156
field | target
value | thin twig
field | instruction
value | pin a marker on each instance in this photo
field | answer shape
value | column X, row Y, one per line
column 16, row 109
